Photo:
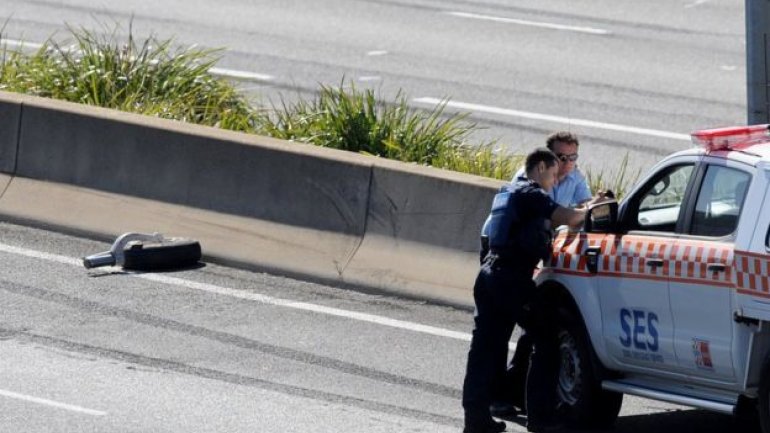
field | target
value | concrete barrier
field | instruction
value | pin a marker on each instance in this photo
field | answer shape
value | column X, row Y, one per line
column 422, row 231
column 10, row 113
column 266, row 204
column 5, row 181
column 193, row 166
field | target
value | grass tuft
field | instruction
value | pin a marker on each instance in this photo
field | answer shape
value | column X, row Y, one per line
column 350, row 119
column 618, row 181
column 148, row 77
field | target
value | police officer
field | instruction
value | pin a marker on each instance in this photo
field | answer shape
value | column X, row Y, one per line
column 519, row 231
column 571, row 190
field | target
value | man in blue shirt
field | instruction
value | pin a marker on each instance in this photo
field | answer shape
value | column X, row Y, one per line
column 571, row 190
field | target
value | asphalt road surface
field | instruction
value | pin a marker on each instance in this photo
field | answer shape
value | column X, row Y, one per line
column 633, row 79
column 214, row 349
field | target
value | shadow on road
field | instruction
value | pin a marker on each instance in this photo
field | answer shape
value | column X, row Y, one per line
column 689, row 420
column 676, row 421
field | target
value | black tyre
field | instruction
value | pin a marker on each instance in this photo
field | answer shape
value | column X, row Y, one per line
column 746, row 418
column 173, row 254
column 585, row 403
column 764, row 398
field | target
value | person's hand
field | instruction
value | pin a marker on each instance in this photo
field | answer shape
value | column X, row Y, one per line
column 607, row 193
column 598, row 198
column 601, row 197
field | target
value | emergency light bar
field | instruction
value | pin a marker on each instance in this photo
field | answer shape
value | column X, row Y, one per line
column 732, row 138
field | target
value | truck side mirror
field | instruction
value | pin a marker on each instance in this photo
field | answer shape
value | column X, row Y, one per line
column 602, row 217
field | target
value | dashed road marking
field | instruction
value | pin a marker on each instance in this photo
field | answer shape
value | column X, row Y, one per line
column 240, row 75
column 552, row 26
column 695, row 3
column 221, row 72
column 20, row 44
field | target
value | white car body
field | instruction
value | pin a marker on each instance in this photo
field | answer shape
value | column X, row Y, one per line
column 675, row 295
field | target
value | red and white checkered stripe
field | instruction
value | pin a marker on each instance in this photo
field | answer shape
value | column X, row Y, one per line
column 568, row 248
column 683, row 261
column 689, row 262
column 752, row 272
column 629, row 257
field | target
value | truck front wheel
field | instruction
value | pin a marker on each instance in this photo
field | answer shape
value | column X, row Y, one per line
column 585, row 403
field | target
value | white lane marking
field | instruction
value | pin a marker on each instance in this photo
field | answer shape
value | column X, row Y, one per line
column 17, row 43
column 40, row 255
column 695, row 3
column 241, row 75
column 589, row 30
column 555, row 119
column 33, row 45
column 331, row 311
column 240, row 294
column 367, row 78
column 376, row 53
column 221, row 72
column 52, row 403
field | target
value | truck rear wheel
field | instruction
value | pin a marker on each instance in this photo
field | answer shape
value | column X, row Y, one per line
column 764, row 398
column 585, row 403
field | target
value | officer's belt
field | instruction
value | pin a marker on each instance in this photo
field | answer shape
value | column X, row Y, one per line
column 514, row 260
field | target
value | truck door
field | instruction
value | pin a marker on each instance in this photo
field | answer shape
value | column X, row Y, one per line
column 638, row 327
column 700, row 280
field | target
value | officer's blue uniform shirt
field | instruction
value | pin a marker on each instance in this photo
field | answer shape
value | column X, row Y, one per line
column 533, row 201
column 570, row 191
column 534, row 235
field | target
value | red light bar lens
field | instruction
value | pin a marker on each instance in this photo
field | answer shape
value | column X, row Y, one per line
column 732, row 138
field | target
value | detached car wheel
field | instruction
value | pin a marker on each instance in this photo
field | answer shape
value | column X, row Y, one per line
column 584, row 402
column 171, row 254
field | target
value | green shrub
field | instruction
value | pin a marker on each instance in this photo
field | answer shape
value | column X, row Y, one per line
column 350, row 119
column 149, row 78
column 619, row 182
column 482, row 160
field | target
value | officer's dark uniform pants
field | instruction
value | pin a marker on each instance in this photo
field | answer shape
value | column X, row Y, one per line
column 512, row 388
column 543, row 375
column 500, row 293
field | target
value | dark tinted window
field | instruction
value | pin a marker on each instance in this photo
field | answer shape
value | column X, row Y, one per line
column 720, row 201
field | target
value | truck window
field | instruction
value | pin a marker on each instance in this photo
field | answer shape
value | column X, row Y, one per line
column 720, row 201
column 660, row 202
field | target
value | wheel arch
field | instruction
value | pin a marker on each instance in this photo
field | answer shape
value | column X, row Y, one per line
column 586, row 404
column 581, row 308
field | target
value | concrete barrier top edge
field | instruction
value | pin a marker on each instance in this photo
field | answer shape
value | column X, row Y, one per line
column 186, row 128
column 15, row 97
column 439, row 173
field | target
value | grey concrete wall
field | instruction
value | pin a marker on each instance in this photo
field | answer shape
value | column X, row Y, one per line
column 422, row 231
column 10, row 115
column 192, row 166
column 425, row 205
column 267, row 204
